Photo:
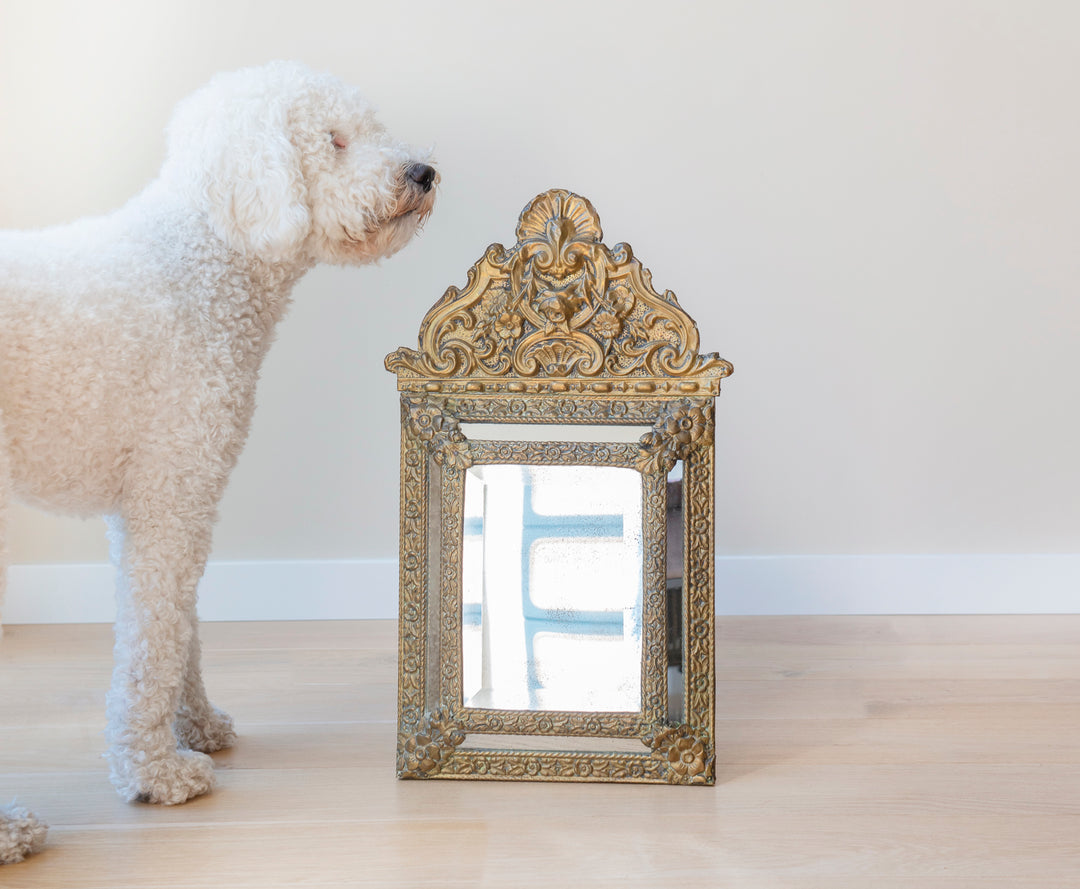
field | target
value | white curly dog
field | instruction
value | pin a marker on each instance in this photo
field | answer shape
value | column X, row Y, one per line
column 130, row 347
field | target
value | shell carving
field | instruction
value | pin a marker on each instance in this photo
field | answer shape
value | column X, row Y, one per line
column 558, row 304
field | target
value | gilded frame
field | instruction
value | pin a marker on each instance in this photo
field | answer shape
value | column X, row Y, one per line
column 556, row 330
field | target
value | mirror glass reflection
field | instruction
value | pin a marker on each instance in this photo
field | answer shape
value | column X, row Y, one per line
column 552, row 588
column 674, row 609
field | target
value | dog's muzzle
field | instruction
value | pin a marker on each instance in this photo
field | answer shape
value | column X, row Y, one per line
column 422, row 175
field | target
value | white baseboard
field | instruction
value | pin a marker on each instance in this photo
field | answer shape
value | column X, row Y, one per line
column 899, row 584
column 356, row 589
column 318, row 589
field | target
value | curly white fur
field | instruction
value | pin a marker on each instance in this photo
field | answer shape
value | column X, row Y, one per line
column 21, row 834
column 130, row 346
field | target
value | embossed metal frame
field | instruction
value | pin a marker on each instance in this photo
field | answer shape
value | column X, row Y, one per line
column 556, row 330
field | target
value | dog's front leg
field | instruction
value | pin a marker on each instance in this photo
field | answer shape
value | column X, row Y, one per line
column 159, row 559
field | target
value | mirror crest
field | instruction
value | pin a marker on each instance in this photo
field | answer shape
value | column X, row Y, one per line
column 561, row 312
column 556, row 573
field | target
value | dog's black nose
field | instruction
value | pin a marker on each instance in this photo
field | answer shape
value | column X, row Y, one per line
column 421, row 174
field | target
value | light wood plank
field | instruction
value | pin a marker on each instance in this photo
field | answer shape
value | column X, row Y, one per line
column 371, row 793
column 996, row 736
column 904, row 629
column 851, row 753
column 774, row 661
column 618, row 850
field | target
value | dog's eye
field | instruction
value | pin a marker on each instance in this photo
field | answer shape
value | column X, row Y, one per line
column 338, row 141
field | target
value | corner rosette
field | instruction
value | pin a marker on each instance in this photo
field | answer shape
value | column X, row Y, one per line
column 674, row 436
column 425, row 753
column 685, row 752
column 438, row 432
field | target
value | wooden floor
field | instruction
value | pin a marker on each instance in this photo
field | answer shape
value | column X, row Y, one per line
column 870, row 753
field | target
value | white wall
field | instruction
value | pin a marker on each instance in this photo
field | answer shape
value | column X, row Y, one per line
column 872, row 209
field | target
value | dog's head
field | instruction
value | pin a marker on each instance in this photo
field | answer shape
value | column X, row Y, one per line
column 291, row 165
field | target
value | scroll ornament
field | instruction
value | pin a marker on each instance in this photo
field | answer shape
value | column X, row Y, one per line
column 558, row 304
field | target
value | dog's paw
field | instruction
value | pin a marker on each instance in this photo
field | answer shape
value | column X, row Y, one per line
column 166, row 780
column 207, row 734
column 21, row 834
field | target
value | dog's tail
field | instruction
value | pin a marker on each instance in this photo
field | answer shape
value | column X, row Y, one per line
column 21, row 833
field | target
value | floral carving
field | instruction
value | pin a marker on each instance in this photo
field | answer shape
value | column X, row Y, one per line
column 553, row 453
column 507, row 327
column 437, row 431
column 562, row 410
column 413, row 598
column 686, row 755
column 685, row 427
column 558, row 304
column 551, row 766
column 607, row 325
column 700, row 652
column 426, row 752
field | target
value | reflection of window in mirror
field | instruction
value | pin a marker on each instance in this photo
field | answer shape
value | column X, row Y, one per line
column 552, row 588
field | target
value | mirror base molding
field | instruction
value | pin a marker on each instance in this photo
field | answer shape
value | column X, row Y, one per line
column 676, row 754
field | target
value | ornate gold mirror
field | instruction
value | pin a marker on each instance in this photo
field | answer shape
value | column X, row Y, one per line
column 556, row 601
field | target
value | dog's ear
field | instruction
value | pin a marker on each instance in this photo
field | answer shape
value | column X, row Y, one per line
column 230, row 152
